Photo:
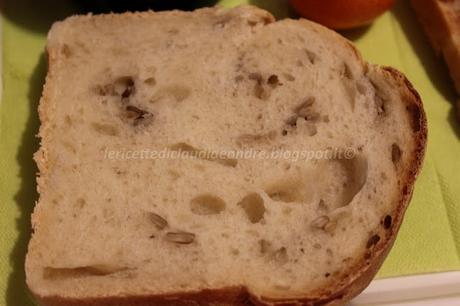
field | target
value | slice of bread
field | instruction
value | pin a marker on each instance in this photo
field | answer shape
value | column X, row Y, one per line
column 120, row 223
column 441, row 22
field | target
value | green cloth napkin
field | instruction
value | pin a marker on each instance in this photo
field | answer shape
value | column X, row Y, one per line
column 429, row 240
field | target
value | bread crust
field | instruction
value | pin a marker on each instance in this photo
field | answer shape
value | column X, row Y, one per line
column 340, row 293
column 441, row 23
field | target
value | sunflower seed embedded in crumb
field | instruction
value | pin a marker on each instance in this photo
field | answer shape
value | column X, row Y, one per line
column 292, row 121
column 330, row 227
column 180, row 237
column 320, row 222
column 135, row 112
column 159, row 221
column 304, row 105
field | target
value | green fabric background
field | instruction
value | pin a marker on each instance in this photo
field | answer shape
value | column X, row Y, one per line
column 429, row 239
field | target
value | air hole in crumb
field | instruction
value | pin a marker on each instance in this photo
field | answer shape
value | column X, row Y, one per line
column 373, row 240
column 174, row 174
column 311, row 129
column 222, row 21
column 252, row 23
column 68, row 120
column 202, row 154
column 287, row 211
column 264, row 246
column 150, row 81
column 179, row 92
column 301, row 39
column 102, row 90
column 289, row 77
column 380, row 98
column 362, row 89
column 105, row 129
column 312, row 57
column 288, row 190
column 253, row 139
column 347, row 73
column 383, row 176
column 207, row 204
column 273, row 80
column 387, row 222
column 253, row 206
column 280, row 256
column 259, row 91
column 282, row 193
column 239, row 78
column 66, row 51
column 414, row 111
column 84, row 271
column 81, row 203
column 396, row 153
column 356, row 170
column 124, row 86
column 322, row 206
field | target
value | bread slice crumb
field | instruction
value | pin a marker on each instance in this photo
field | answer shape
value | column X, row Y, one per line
column 117, row 223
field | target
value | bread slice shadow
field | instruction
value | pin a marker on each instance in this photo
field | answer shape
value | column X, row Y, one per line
column 434, row 67
column 37, row 16
column 278, row 8
column 17, row 292
column 31, row 15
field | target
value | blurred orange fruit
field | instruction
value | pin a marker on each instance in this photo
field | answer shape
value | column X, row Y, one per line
column 341, row 14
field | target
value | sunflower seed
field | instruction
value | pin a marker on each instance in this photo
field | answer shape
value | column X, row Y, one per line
column 320, row 222
column 159, row 221
column 180, row 237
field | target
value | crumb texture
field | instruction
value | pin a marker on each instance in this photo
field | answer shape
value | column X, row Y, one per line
column 214, row 80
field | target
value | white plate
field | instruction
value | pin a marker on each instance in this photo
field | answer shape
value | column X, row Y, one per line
column 437, row 289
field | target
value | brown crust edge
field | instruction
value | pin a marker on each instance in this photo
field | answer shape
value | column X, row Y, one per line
column 442, row 25
column 240, row 296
